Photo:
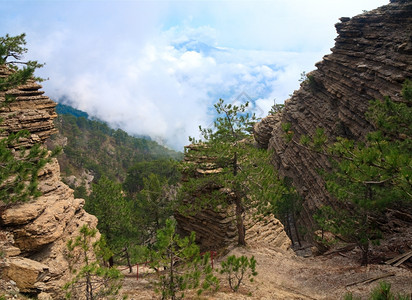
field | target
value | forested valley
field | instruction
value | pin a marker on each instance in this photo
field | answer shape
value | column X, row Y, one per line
column 127, row 182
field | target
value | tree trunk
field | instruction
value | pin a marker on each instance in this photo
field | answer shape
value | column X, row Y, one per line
column 128, row 259
column 365, row 254
column 239, row 223
column 172, row 286
column 89, row 287
column 296, row 230
column 239, row 209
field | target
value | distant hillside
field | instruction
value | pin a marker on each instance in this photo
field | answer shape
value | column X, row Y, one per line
column 62, row 109
column 92, row 149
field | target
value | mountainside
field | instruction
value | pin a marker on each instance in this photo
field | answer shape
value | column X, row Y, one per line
column 92, row 149
column 371, row 59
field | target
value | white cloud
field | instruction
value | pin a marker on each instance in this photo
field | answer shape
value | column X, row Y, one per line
column 166, row 89
column 157, row 68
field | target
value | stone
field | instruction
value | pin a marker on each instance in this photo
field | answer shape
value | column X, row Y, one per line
column 25, row 273
column 33, row 235
column 44, row 296
column 370, row 60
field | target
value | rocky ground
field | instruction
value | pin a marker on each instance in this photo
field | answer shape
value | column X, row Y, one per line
column 285, row 275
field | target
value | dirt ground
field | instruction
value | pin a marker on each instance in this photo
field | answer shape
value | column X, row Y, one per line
column 288, row 276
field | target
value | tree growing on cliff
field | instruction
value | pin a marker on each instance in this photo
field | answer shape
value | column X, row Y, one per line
column 372, row 175
column 19, row 166
column 232, row 169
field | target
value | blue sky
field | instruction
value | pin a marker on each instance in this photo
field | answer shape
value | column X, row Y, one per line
column 157, row 67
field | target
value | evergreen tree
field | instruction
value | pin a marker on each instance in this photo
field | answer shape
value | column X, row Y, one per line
column 234, row 170
column 372, row 175
column 91, row 280
column 142, row 170
column 184, row 267
column 154, row 205
column 108, row 203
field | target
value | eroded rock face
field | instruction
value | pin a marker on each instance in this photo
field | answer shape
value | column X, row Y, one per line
column 33, row 235
column 371, row 59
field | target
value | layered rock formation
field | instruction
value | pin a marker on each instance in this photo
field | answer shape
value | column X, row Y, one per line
column 33, row 235
column 371, row 59
column 216, row 227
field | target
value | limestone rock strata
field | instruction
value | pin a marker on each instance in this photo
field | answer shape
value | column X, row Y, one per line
column 371, row 59
column 33, row 235
column 30, row 109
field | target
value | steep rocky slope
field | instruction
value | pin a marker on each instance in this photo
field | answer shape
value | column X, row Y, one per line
column 371, row 59
column 33, row 235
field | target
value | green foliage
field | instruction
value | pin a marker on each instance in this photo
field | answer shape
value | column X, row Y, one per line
column 287, row 129
column 62, row 109
column 115, row 213
column 92, row 145
column 236, row 268
column 154, row 205
column 308, row 79
column 371, row 175
column 276, row 108
column 132, row 220
column 303, row 77
column 236, row 171
column 11, row 54
column 141, row 171
column 90, row 278
column 19, row 166
column 287, row 205
column 382, row 292
column 184, row 267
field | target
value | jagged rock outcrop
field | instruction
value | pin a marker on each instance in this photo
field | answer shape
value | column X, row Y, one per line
column 371, row 59
column 33, row 235
column 215, row 227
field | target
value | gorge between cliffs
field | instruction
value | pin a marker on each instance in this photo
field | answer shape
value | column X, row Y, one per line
column 296, row 257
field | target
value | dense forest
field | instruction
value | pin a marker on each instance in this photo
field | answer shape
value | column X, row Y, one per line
column 92, row 147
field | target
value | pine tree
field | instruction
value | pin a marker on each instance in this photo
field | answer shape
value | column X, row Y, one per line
column 372, row 175
column 115, row 213
column 184, row 267
column 91, row 279
column 154, row 205
column 235, row 171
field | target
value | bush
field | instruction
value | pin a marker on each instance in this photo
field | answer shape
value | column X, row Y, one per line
column 236, row 268
column 382, row 292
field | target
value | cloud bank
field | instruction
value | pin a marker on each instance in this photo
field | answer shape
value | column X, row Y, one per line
column 157, row 68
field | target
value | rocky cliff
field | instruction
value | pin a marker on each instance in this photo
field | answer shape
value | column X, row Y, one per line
column 371, row 59
column 33, row 235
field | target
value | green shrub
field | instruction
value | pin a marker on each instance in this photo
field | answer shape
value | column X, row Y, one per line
column 381, row 292
column 236, row 268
